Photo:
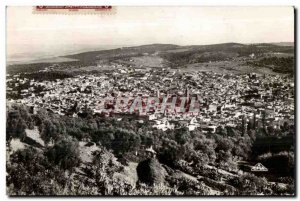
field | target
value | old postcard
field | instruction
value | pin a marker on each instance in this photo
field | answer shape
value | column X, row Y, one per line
column 144, row 101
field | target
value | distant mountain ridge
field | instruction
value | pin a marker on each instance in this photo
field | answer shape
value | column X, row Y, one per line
column 178, row 55
column 166, row 55
column 285, row 44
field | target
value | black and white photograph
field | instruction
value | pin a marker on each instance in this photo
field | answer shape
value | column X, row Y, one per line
column 150, row 101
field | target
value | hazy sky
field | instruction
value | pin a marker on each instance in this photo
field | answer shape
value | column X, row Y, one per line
column 29, row 33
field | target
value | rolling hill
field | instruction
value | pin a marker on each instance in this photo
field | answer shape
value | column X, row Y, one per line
column 175, row 56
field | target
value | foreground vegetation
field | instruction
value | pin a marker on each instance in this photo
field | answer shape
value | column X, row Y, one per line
column 187, row 163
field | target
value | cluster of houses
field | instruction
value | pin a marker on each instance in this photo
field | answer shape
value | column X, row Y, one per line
column 222, row 99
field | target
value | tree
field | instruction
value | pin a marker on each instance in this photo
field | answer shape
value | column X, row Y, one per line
column 65, row 153
column 125, row 141
column 205, row 148
column 221, row 131
column 242, row 147
column 263, row 119
column 170, row 152
column 244, row 125
column 254, row 121
column 182, row 136
column 224, row 144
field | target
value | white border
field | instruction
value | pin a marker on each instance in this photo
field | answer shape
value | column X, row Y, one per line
column 4, row 3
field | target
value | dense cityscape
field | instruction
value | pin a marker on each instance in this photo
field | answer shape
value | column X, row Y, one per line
column 223, row 100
